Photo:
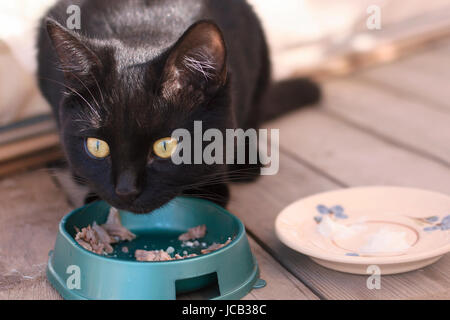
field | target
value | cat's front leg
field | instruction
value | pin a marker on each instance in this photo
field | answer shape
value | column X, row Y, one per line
column 89, row 196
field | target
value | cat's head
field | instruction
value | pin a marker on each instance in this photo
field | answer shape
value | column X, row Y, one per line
column 116, row 115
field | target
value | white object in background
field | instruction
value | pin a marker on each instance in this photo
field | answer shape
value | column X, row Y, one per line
column 19, row 21
column 19, row 96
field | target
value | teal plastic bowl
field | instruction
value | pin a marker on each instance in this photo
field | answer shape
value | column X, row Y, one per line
column 79, row 274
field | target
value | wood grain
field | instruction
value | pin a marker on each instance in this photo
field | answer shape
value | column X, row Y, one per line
column 27, row 146
column 27, row 131
column 322, row 152
column 31, row 208
column 258, row 205
column 356, row 156
column 393, row 117
column 422, row 77
column 281, row 284
column 31, row 161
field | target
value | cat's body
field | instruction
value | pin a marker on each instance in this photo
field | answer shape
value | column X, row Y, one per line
column 133, row 74
column 143, row 30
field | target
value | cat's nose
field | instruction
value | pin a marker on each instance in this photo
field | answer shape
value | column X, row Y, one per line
column 128, row 194
column 127, row 188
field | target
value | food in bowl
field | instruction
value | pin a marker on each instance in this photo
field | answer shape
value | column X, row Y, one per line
column 159, row 255
column 99, row 239
column 215, row 246
column 193, row 233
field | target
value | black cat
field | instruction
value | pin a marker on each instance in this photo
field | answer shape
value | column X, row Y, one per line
column 138, row 69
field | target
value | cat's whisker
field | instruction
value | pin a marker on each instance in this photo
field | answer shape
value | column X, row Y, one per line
column 94, row 117
column 222, row 177
column 71, row 89
column 84, row 85
column 99, row 89
column 211, row 197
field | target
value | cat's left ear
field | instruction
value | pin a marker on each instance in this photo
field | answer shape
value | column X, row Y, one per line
column 77, row 61
column 197, row 62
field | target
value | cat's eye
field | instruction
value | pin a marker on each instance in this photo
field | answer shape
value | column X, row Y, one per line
column 165, row 147
column 97, row 148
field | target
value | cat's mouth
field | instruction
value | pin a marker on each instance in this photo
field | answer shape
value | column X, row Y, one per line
column 134, row 209
column 138, row 207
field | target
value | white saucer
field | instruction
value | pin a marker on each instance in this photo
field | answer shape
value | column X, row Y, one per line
column 396, row 229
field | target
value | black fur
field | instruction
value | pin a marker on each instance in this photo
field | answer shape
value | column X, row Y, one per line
column 118, row 79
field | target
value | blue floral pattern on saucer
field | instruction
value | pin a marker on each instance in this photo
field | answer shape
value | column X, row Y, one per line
column 443, row 225
column 352, row 254
column 335, row 211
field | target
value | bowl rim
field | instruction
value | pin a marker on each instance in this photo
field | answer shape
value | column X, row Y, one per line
column 352, row 259
column 81, row 250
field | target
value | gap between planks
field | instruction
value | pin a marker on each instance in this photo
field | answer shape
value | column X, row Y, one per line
column 421, row 77
column 351, row 156
column 395, row 120
column 281, row 284
column 345, row 147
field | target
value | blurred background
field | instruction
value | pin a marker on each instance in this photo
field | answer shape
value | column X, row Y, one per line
column 383, row 120
column 321, row 38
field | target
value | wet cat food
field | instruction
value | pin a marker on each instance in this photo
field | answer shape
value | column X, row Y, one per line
column 215, row 246
column 193, row 233
column 98, row 238
column 159, row 255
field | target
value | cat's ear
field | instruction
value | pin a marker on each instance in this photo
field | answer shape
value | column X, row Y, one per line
column 197, row 62
column 77, row 61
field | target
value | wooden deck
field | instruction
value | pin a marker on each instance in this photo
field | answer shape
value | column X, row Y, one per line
column 389, row 125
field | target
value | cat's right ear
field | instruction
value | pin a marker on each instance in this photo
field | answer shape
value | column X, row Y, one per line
column 196, row 65
column 77, row 61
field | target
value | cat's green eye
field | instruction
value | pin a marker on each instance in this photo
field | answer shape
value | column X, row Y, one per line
column 165, row 147
column 97, row 148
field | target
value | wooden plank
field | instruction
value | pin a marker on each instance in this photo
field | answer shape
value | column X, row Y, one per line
column 397, row 118
column 354, row 156
column 281, row 284
column 259, row 203
column 422, row 77
column 31, row 161
column 28, row 131
column 325, row 147
column 31, row 289
column 75, row 192
column 30, row 211
column 27, row 146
